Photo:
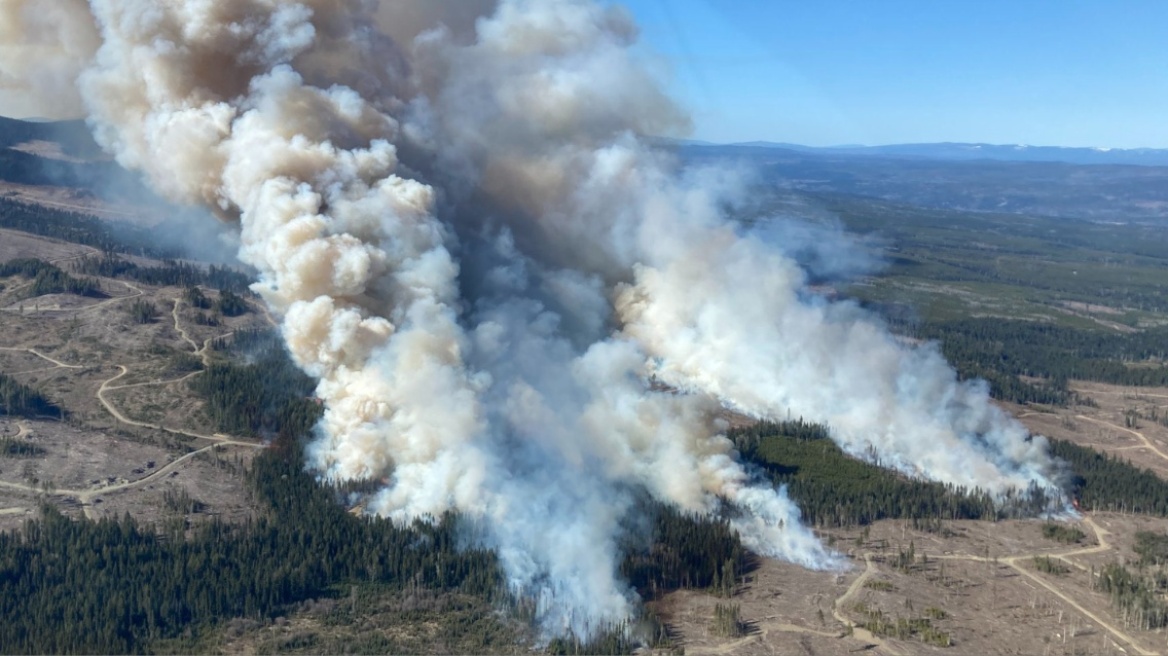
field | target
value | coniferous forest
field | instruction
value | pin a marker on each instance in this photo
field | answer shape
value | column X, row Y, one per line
column 121, row 586
column 21, row 400
column 47, row 278
column 173, row 273
column 117, row 586
column 79, row 229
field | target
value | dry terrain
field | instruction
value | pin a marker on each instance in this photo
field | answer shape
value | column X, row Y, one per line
column 980, row 576
column 136, row 438
column 134, row 430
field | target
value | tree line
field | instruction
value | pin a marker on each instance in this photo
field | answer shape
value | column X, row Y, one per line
column 170, row 273
column 80, row 228
column 996, row 348
column 47, row 278
column 1105, row 482
column 834, row 489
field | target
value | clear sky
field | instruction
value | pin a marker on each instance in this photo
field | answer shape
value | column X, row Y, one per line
column 830, row 72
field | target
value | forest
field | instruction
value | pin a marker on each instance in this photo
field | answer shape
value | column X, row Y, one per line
column 1137, row 595
column 48, row 279
column 115, row 586
column 172, row 273
column 120, row 586
column 80, row 229
column 266, row 396
column 1056, row 353
column 833, row 489
column 1108, row 483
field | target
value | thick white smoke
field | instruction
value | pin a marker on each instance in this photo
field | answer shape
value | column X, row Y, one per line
column 44, row 45
column 472, row 248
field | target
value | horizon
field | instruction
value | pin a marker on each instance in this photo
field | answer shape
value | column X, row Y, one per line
column 1071, row 74
column 768, row 142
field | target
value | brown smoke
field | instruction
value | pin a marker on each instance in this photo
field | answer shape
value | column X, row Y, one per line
column 468, row 241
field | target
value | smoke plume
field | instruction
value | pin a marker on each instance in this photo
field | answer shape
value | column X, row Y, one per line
column 44, row 45
column 469, row 243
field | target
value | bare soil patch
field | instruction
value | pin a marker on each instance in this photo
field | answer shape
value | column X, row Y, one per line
column 15, row 244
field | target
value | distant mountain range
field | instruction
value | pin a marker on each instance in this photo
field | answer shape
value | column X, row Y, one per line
column 965, row 152
column 1086, row 183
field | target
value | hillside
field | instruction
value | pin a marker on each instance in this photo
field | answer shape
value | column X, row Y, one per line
column 58, row 164
column 152, row 433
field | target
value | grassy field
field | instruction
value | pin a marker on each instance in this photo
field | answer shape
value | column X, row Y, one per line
column 949, row 264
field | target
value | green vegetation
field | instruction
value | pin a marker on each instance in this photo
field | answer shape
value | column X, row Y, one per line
column 181, row 502
column 48, row 279
column 1050, row 299
column 79, row 229
column 181, row 363
column 835, row 489
column 11, row 447
column 143, row 311
column 1025, row 348
column 903, row 628
column 170, row 273
column 1062, row 533
column 1105, row 482
column 934, row 613
column 24, row 401
column 1138, row 596
column 727, row 622
column 906, row 559
column 1152, row 548
column 1048, row 565
column 1010, row 265
column 196, row 298
column 230, row 305
column 129, row 588
column 687, row 551
column 126, row 586
column 267, row 396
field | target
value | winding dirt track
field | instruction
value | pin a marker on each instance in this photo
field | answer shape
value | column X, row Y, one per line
column 42, row 356
column 858, row 632
column 1138, row 434
column 1014, row 562
column 85, row 497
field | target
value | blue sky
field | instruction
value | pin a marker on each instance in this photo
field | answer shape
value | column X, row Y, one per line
column 827, row 72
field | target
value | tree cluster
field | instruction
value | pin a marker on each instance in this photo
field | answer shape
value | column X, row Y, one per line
column 143, row 311
column 113, row 586
column 79, row 229
column 1137, row 596
column 685, row 551
column 24, row 401
column 1109, row 483
column 994, row 348
column 832, row 488
column 49, row 279
column 267, row 396
column 171, row 273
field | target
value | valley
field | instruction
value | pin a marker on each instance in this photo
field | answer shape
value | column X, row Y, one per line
column 138, row 432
